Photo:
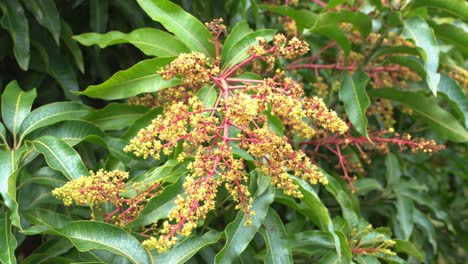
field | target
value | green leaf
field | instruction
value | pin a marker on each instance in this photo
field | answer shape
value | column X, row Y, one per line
column 159, row 206
column 140, row 78
column 426, row 226
column 15, row 22
column 141, row 122
column 238, row 52
column 60, row 156
column 335, row 3
column 276, row 241
column 8, row 241
column 72, row 131
column 169, row 172
column 90, row 235
column 311, row 239
column 319, row 210
column 345, row 250
column 9, row 161
column 302, row 17
column 354, row 97
column 66, row 36
column 184, row 250
column 46, row 14
column 458, row 8
column 347, row 202
column 16, row 105
column 453, row 35
column 238, row 236
column 275, row 125
column 237, row 33
column 3, row 134
column 47, row 218
column 98, row 15
column 452, row 91
column 51, row 114
column 409, row 248
column 418, row 30
column 393, row 169
column 116, row 116
column 335, row 33
column 367, row 185
column 404, row 215
column 185, row 26
column 440, row 120
column 208, row 96
column 152, row 42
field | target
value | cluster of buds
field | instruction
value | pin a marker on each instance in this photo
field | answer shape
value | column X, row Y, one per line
column 379, row 141
column 195, row 69
column 106, row 187
column 369, row 242
column 97, row 188
column 460, row 75
column 239, row 118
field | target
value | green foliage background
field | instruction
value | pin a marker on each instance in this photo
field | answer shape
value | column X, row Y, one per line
column 66, row 68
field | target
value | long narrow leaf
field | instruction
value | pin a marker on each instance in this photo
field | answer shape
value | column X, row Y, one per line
column 182, row 24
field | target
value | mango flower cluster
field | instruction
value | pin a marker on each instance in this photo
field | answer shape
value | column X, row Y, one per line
column 238, row 119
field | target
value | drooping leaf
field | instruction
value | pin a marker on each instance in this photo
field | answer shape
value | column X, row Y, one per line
column 418, row 30
column 60, row 156
column 236, row 34
column 453, row 35
column 346, row 201
column 66, row 36
column 3, row 134
column 140, row 78
column 116, row 116
column 310, row 239
column 15, row 21
column 409, row 248
column 355, row 99
column 335, row 33
column 455, row 96
column 182, row 24
column 98, row 15
column 169, row 172
column 57, row 64
column 238, row 52
column 184, row 250
column 456, row 7
column 9, row 162
column 51, row 114
column 439, row 119
column 425, row 224
column 16, row 105
column 46, row 14
column 404, row 215
column 302, row 17
column 152, row 42
column 276, row 241
column 321, row 215
column 393, row 169
column 238, row 236
column 8, row 241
